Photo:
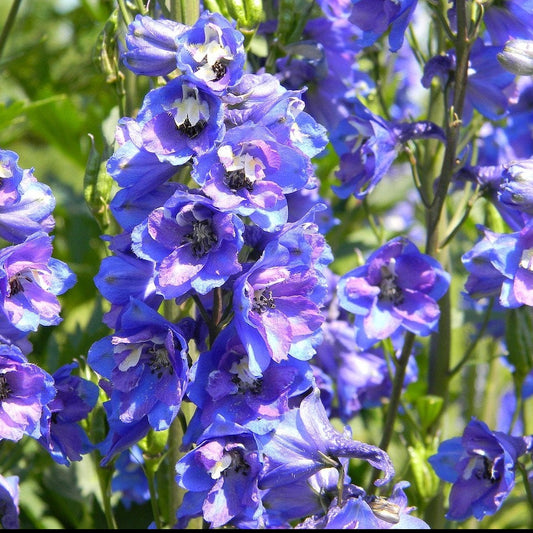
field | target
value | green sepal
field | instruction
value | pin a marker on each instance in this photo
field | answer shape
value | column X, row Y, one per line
column 428, row 408
column 426, row 480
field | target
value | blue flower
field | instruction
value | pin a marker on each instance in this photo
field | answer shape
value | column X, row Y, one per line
column 9, row 502
column 397, row 289
column 30, row 281
column 151, row 45
column 130, row 479
column 66, row 440
column 305, row 442
column 25, row 393
column 481, row 466
column 26, row 205
column 221, row 475
column 193, row 244
column 145, row 364
column 211, row 52
column 250, row 173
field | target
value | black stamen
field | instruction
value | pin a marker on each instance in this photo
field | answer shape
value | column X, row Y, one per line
column 237, row 179
column 263, row 300
column 202, row 237
column 5, row 388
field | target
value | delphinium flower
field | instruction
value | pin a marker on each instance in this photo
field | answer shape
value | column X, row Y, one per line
column 30, row 282
column 368, row 145
column 26, row 204
column 26, row 391
column 130, row 479
column 500, row 265
column 250, row 173
column 516, row 187
column 221, row 477
column 193, row 245
column 359, row 510
column 481, row 467
column 508, row 19
column 305, row 442
column 144, row 369
column 490, row 88
column 9, row 502
column 221, row 383
column 375, row 17
column 397, row 289
column 65, row 439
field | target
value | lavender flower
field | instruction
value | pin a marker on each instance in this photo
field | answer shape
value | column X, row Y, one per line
column 25, row 394
column 304, row 442
column 397, row 289
column 26, row 205
column 9, row 502
column 30, row 281
column 481, row 466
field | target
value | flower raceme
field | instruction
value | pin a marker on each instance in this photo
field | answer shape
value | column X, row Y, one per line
column 396, row 290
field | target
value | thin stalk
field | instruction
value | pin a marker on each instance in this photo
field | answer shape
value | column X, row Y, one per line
column 8, row 26
column 527, row 488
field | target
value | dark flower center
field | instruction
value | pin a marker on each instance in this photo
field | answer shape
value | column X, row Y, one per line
column 15, row 283
column 191, row 130
column 389, row 289
column 484, row 469
column 5, row 388
column 263, row 300
column 237, row 464
column 202, row 237
column 159, row 362
column 237, row 180
column 219, row 69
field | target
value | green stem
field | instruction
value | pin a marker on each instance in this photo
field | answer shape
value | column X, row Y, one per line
column 527, row 488
column 8, row 26
column 104, row 480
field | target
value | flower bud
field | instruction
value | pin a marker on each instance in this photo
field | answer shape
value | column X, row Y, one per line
column 516, row 187
column 517, row 56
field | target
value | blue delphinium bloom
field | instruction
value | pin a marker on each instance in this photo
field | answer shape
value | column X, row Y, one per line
column 516, row 187
column 211, row 52
column 501, row 265
column 368, row 145
column 490, row 89
column 221, row 383
column 26, row 205
column 9, row 502
column 26, row 390
column 375, row 17
column 250, row 173
column 193, row 245
column 305, row 442
column 481, row 466
column 66, row 440
column 361, row 511
column 180, row 119
column 509, row 19
column 151, row 45
column 278, row 299
column 130, row 479
column 145, row 363
column 30, row 281
column 221, row 478
column 396, row 289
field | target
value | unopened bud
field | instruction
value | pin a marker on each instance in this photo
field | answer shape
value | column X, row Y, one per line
column 517, row 57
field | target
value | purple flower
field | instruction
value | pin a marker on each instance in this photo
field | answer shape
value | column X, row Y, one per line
column 490, row 89
column 277, row 301
column 375, row 17
column 361, row 511
column 305, row 442
column 211, row 52
column 250, row 173
column 179, row 120
column 509, row 19
column 516, row 187
column 145, row 364
column 193, row 244
column 501, row 265
column 221, row 475
column 9, row 502
column 26, row 205
column 66, row 440
column 221, row 383
column 368, row 145
column 25, row 393
column 30, row 281
column 397, row 289
column 481, row 466
column 130, row 479
column 151, row 45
